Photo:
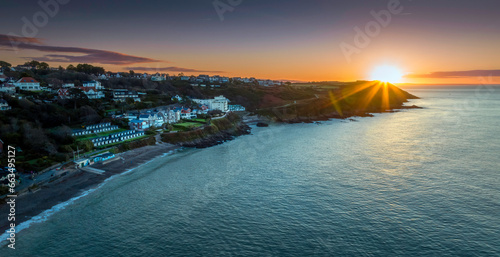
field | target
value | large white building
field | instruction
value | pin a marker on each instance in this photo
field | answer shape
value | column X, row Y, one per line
column 220, row 103
column 28, row 83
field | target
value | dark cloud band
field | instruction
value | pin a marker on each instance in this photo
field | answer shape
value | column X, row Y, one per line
column 89, row 55
column 456, row 74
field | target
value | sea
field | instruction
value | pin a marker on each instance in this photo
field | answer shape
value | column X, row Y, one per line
column 418, row 182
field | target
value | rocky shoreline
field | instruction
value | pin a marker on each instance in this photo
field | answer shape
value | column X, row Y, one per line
column 218, row 138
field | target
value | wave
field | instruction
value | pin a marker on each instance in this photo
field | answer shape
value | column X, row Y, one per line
column 61, row 206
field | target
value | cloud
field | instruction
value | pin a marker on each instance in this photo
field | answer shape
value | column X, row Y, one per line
column 456, row 74
column 8, row 40
column 89, row 55
column 172, row 69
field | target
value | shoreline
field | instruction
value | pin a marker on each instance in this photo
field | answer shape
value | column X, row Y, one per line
column 31, row 204
column 76, row 183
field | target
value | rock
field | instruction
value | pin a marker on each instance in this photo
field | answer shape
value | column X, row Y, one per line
column 262, row 124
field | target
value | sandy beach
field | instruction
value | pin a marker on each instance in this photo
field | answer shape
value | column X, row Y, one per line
column 31, row 204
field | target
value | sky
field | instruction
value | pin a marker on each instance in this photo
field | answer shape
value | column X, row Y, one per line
column 433, row 42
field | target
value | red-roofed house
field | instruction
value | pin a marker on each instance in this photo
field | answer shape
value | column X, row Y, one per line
column 28, row 83
column 63, row 93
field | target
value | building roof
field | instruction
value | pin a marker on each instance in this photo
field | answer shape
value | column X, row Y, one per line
column 87, row 89
column 27, row 80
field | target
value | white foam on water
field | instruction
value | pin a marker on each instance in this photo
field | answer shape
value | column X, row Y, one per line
column 61, row 206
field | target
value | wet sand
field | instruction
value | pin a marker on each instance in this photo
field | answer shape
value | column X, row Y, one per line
column 76, row 182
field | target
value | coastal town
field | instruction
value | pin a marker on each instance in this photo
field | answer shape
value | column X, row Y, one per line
column 111, row 111
column 72, row 128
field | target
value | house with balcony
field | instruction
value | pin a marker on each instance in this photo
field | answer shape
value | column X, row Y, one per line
column 28, row 83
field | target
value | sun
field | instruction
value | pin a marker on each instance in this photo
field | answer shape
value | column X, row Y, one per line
column 387, row 73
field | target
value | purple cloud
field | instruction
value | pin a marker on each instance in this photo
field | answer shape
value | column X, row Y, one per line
column 172, row 69
column 89, row 55
column 456, row 74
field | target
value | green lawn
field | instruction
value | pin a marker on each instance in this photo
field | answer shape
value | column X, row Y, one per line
column 188, row 125
column 200, row 120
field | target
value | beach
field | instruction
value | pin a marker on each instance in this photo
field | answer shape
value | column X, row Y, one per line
column 76, row 182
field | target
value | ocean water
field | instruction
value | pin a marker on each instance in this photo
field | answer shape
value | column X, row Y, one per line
column 420, row 182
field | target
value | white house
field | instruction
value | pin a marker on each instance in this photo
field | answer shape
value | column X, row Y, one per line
column 178, row 97
column 28, row 83
column 94, row 84
column 173, row 116
column 4, row 106
column 149, row 118
column 92, row 93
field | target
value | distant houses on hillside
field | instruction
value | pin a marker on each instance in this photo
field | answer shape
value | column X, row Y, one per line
column 122, row 94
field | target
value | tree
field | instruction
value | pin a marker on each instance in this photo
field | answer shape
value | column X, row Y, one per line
column 37, row 65
column 71, row 67
column 56, row 83
column 43, row 66
column 89, row 69
column 5, row 64
column 132, row 73
column 32, row 64
column 89, row 115
column 27, row 73
column 77, row 95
